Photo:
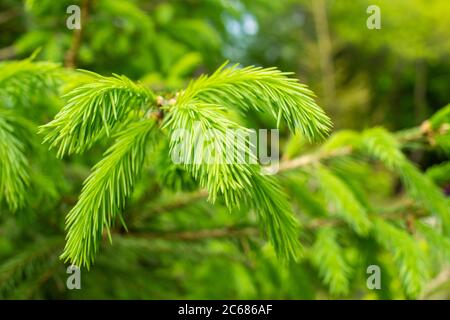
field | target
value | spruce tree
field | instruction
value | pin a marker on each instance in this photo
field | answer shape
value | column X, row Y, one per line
column 316, row 208
column 87, row 170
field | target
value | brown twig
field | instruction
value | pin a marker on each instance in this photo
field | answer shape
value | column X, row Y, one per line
column 437, row 288
column 228, row 232
column 70, row 60
column 172, row 204
column 309, row 159
column 180, row 202
column 5, row 16
column 7, row 53
column 406, row 210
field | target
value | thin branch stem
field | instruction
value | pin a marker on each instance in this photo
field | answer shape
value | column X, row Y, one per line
column 227, row 232
column 5, row 16
column 172, row 204
column 7, row 52
column 70, row 60
column 309, row 159
column 398, row 212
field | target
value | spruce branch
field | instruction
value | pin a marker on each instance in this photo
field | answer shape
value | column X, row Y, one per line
column 343, row 201
column 262, row 89
column 94, row 109
column 409, row 258
column 327, row 255
column 346, row 143
column 440, row 118
column 14, row 166
column 424, row 191
column 275, row 216
column 382, row 145
column 32, row 258
column 21, row 79
column 203, row 152
column 198, row 235
column 437, row 129
column 235, row 182
column 105, row 192
column 204, row 107
column 439, row 242
column 342, row 144
column 439, row 173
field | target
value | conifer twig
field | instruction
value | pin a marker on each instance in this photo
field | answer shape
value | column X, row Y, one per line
column 5, row 16
column 70, row 60
column 397, row 212
column 411, row 134
column 171, row 204
column 7, row 52
column 227, row 232
column 308, row 159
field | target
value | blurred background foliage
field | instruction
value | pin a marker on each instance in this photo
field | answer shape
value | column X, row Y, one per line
column 395, row 77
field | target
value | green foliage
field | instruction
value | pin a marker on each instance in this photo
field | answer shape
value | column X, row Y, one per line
column 171, row 175
column 264, row 90
column 97, row 107
column 275, row 216
column 94, row 109
column 440, row 124
column 25, row 265
column 209, row 164
column 343, row 201
column 410, row 259
column 105, row 192
column 380, row 144
column 438, row 242
column 426, row 192
column 441, row 117
column 439, row 173
column 20, row 80
column 202, row 107
column 14, row 167
column 302, row 194
column 328, row 256
column 343, row 138
column 409, row 37
column 383, row 146
column 358, row 199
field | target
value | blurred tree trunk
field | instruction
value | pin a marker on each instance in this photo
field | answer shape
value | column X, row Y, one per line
column 70, row 60
column 420, row 91
column 325, row 53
